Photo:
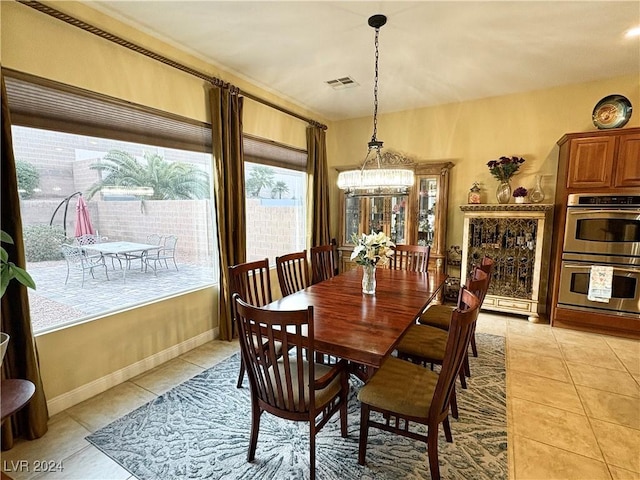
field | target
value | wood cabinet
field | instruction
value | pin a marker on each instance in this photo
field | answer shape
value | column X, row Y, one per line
column 517, row 238
column 417, row 218
column 598, row 162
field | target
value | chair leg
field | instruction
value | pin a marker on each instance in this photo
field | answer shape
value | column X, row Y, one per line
column 465, row 365
column 474, row 349
column 343, row 407
column 432, row 451
column 312, row 450
column 447, row 430
column 463, row 379
column 67, row 279
column 255, row 428
column 364, row 432
column 241, row 374
column 454, row 403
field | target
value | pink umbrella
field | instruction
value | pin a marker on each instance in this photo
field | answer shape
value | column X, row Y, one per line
column 83, row 222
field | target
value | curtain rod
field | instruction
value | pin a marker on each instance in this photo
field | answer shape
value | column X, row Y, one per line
column 160, row 58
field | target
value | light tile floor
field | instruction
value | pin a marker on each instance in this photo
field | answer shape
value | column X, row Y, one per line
column 573, row 406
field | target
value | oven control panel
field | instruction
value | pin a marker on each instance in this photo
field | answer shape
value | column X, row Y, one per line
column 589, row 200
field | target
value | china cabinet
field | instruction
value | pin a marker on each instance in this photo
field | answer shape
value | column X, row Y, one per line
column 418, row 217
column 517, row 238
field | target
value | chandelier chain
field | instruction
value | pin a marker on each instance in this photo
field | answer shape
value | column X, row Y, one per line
column 375, row 90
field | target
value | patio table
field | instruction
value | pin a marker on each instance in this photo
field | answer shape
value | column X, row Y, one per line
column 122, row 248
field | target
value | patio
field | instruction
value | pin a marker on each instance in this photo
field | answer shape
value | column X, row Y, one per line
column 54, row 304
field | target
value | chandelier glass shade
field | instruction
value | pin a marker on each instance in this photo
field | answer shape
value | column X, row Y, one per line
column 374, row 179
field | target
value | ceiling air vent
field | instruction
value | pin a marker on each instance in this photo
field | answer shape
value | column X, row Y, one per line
column 342, row 83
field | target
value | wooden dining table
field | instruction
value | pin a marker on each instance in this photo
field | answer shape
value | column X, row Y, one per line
column 361, row 328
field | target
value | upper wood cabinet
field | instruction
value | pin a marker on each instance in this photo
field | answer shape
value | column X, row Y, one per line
column 602, row 160
column 418, row 218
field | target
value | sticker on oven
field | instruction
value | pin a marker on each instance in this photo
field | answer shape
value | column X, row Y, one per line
column 600, row 283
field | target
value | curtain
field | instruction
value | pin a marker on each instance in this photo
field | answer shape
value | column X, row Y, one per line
column 21, row 360
column 226, row 124
column 317, row 187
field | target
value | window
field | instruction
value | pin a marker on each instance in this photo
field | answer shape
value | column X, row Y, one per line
column 163, row 190
column 276, row 198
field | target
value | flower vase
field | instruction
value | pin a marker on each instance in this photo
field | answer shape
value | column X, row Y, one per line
column 537, row 194
column 369, row 279
column 503, row 192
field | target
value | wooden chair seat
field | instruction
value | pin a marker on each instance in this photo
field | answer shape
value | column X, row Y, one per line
column 424, row 342
column 322, row 396
column 438, row 316
column 401, row 387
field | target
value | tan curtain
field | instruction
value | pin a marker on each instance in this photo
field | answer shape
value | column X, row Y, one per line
column 317, row 187
column 226, row 123
column 21, row 360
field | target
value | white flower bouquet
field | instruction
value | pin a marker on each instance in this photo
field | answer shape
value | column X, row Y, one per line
column 372, row 249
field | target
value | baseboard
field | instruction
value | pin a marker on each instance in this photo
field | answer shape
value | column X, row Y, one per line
column 91, row 389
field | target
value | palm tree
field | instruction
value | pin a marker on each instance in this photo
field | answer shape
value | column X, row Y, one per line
column 169, row 180
column 278, row 189
column 260, row 177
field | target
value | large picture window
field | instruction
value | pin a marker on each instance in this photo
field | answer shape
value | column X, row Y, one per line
column 145, row 180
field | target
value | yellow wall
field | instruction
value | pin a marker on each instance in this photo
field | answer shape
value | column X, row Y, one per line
column 84, row 359
column 471, row 133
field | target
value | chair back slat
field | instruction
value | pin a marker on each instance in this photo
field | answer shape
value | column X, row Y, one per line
column 252, row 282
column 463, row 319
column 278, row 380
column 323, row 262
column 293, row 272
column 414, row 258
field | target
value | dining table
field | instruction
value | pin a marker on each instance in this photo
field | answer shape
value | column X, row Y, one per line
column 364, row 328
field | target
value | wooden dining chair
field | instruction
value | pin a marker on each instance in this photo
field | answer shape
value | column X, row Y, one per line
column 440, row 315
column 323, row 263
column 289, row 386
column 403, row 392
column 424, row 344
column 293, row 272
column 250, row 280
column 414, row 258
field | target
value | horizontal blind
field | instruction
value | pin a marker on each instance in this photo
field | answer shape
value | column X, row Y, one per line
column 266, row 152
column 40, row 103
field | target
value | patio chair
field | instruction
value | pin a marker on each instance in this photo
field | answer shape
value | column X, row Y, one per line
column 89, row 239
column 166, row 252
column 77, row 260
column 152, row 239
column 293, row 272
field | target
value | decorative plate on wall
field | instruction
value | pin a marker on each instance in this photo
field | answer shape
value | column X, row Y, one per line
column 613, row 111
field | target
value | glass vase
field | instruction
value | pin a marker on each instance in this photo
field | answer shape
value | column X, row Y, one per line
column 537, row 194
column 503, row 192
column 369, row 279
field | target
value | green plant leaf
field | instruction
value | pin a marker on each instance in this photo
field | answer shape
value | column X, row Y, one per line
column 22, row 276
column 5, row 237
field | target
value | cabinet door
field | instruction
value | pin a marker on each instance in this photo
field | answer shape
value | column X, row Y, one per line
column 427, row 209
column 590, row 162
column 628, row 166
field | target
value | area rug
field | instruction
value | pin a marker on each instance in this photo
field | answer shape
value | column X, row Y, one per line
column 200, row 430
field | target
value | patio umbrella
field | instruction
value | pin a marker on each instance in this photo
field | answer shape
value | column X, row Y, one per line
column 83, row 221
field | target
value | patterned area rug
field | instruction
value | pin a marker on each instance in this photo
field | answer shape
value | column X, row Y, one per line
column 200, row 430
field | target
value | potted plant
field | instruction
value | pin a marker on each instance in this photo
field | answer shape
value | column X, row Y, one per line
column 9, row 271
column 520, row 194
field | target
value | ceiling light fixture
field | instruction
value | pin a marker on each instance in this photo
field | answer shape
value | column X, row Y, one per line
column 372, row 179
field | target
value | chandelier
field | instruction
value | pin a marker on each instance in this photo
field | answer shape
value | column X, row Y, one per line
column 372, row 179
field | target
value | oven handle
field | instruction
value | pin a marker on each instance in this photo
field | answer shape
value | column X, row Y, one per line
column 615, row 269
column 574, row 211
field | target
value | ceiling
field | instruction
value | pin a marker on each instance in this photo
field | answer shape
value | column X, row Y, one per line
column 430, row 52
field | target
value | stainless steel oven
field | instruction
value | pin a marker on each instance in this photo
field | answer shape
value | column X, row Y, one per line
column 603, row 225
column 625, row 285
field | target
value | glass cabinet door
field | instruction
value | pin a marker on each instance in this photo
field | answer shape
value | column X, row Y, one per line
column 388, row 215
column 351, row 218
column 427, row 203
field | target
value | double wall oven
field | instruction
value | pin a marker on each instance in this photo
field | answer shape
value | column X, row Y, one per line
column 602, row 230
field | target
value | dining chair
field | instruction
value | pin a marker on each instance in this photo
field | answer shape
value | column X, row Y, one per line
column 440, row 315
column 403, row 392
column 76, row 259
column 252, row 281
column 164, row 253
column 293, row 272
column 414, row 258
column 323, row 262
column 289, row 386
column 424, row 344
